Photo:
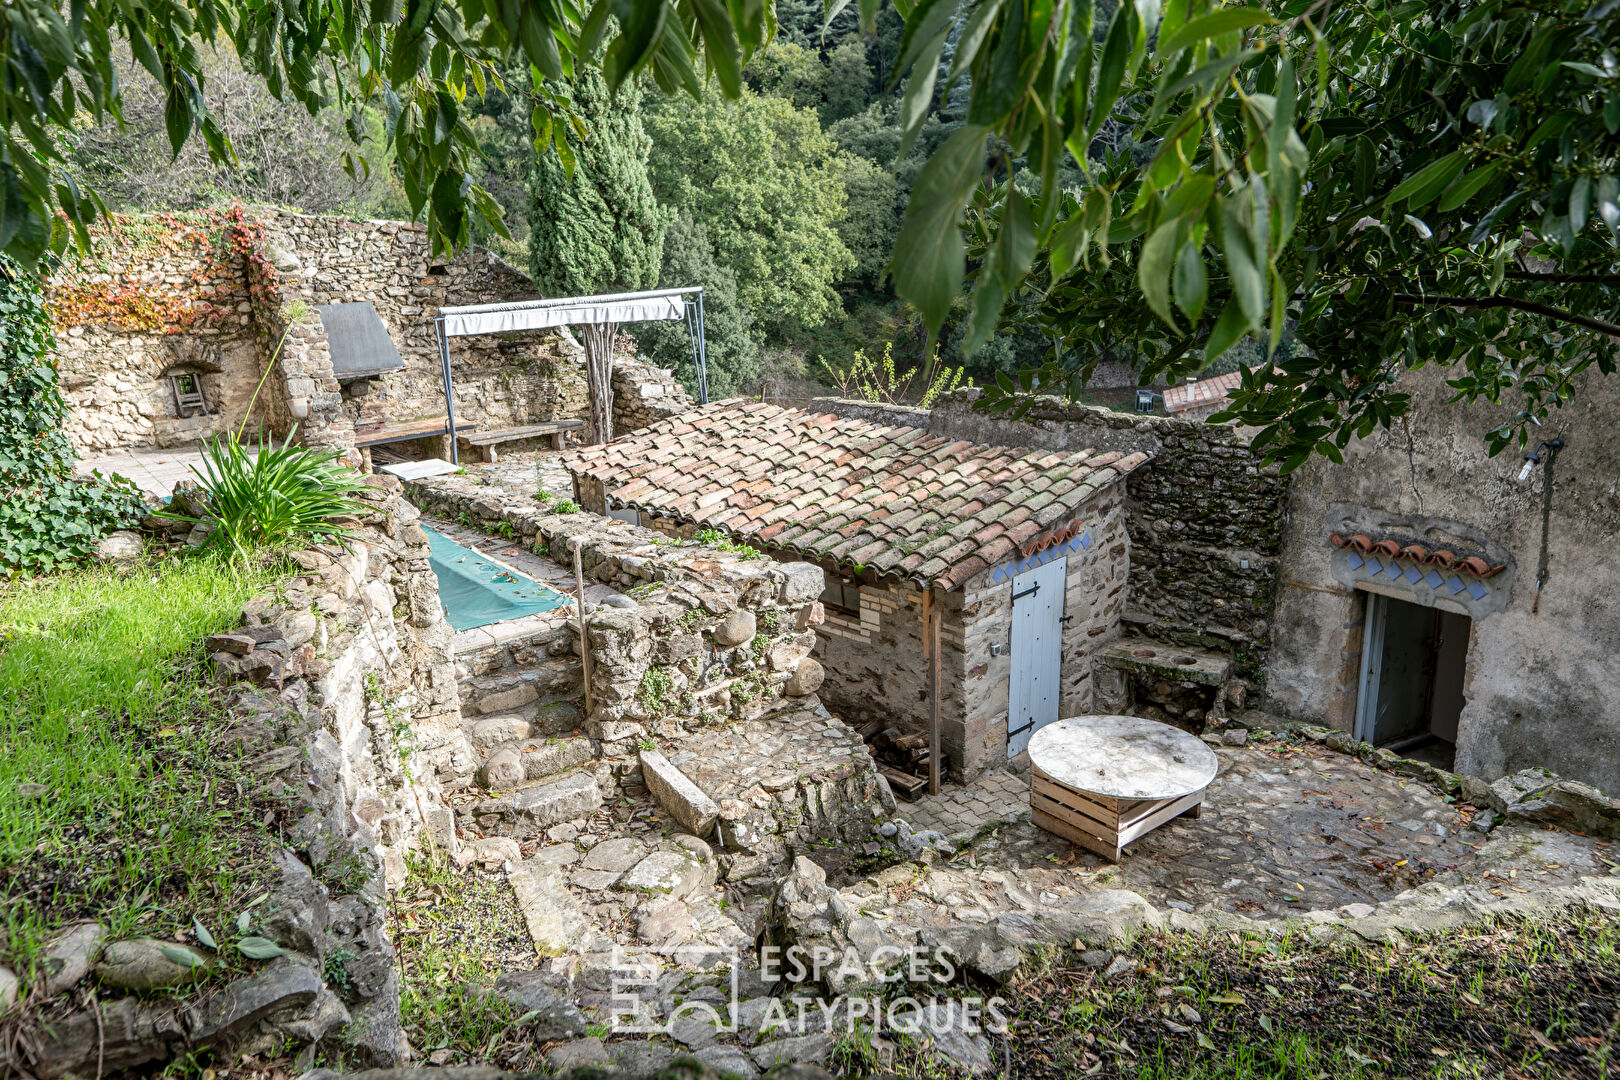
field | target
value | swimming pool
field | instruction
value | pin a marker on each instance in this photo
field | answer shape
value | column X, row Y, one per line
column 476, row 591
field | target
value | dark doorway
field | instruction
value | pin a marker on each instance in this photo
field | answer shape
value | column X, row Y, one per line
column 1413, row 659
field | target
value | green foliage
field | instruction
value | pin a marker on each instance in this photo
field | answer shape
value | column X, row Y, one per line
column 716, row 539
column 593, row 224
column 565, row 506
column 653, row 693
column 765, row 180
column 865, row 379
column 276, row 496
column 732, row 352
column 414, row 62
column 1408, row 184
column 47, row 518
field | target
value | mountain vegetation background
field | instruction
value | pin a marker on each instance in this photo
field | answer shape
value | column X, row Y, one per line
column 783, row 205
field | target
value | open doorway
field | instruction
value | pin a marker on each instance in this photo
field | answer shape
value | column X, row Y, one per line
column 1412, row 663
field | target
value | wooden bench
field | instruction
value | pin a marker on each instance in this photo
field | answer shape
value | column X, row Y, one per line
column 486, row 441
column 416, row 429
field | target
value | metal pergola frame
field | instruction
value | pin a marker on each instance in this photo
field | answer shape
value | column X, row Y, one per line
column 693, row 313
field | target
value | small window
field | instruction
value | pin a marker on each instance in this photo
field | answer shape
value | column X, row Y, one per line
column 842, row 595
column 188, row 394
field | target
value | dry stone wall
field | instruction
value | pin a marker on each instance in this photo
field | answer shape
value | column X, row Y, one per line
column 703, row 634
column 342, row 694
column 643, row 395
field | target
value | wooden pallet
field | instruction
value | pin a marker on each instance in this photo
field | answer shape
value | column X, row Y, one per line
column 1097, row 823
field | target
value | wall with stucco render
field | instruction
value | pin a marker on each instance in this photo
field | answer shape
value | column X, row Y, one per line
column 1542, row 686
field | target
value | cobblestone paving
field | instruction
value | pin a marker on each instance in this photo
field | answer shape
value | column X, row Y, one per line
column 997, row 796
column 1287, row 829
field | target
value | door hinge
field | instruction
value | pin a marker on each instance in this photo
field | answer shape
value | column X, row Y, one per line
column 1031, row 591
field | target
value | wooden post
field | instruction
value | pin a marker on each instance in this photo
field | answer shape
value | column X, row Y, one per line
column 930, row 607
column 584, row 638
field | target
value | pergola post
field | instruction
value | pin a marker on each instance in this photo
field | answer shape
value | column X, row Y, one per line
column 449, row 390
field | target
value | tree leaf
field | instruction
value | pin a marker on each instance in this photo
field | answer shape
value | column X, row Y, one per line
column 1429, row 181
column 1228, row 329
column 1191, row 281
column 1214, row 24
column 1153, row 269
column 929, row 260
column 258, row 948
column 183, row 957
column 1580, row 203
column 1467, row 186
column 1110, row 69
column 1608, row 203
column 202, row 934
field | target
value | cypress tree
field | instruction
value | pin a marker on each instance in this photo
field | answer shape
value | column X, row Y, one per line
column 599, row 230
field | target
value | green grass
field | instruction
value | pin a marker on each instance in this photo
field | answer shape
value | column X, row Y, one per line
column 114, row 801
column 456, row 933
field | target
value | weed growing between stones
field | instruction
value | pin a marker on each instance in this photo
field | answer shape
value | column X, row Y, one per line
column 457, row 932
column 716, row 539
column 124, row 801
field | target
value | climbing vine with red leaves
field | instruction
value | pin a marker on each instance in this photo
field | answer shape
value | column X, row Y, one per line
column 115, row 287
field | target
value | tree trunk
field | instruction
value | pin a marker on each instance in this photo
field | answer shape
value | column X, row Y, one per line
column 598, row 342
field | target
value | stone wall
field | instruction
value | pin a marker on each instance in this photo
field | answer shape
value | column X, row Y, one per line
column 159, row 295
column 1542, row 684
column 1095, row 595
column 233, row 285
column 699, row 634
column 643, row 395
column 341, row 690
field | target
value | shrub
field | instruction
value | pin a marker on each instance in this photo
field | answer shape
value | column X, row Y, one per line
column 285, row 493
column 47, row 516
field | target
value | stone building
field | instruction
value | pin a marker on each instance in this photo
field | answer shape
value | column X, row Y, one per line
column 163, row 337
column 1025, row 553
column 1425, row 618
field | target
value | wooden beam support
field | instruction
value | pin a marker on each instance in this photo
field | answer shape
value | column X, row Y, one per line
column 930, row 607
column 584, row 638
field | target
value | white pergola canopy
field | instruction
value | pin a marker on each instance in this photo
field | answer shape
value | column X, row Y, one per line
column 664, row 305
column 659, row 305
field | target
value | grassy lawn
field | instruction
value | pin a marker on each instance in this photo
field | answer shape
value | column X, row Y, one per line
column 1513, row 1001
column 115, row 803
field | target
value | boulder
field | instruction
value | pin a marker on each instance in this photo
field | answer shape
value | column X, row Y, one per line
column 806, row 679
column 147, row 964
column 735, row 629
column 69, row 956
column 119, row 546
column 549, row 1014
column 503, row 770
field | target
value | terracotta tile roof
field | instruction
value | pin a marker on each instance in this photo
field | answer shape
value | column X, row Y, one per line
column 897, row 500
column 1193, row 395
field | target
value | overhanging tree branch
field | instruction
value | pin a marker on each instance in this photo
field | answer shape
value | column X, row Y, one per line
column 1516, row 304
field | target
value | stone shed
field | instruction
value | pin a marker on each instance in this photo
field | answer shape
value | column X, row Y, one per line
column 1023, row 554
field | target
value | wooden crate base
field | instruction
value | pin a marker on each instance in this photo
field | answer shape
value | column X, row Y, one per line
column 1101, row 825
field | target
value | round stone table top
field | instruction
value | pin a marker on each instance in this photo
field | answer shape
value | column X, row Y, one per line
column 1122, row 757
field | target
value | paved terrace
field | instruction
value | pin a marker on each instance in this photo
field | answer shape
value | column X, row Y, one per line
column 1285, row 828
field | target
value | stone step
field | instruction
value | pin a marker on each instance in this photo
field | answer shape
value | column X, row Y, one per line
column 509, row 765
column 526, row 810
column 556, row 925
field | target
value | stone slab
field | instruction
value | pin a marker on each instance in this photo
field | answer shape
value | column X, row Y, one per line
column 683, row 800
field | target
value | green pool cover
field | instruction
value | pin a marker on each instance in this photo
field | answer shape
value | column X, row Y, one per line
column 477, row 592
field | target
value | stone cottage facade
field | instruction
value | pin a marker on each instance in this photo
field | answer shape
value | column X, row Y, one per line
column 889, row 512
column 1514, row 675
column 164, row 334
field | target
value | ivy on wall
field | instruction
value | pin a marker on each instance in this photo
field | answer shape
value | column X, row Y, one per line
column 222, row 248
column 47, row 517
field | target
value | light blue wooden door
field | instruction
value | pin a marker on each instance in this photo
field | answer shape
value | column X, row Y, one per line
column 1036, row 652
